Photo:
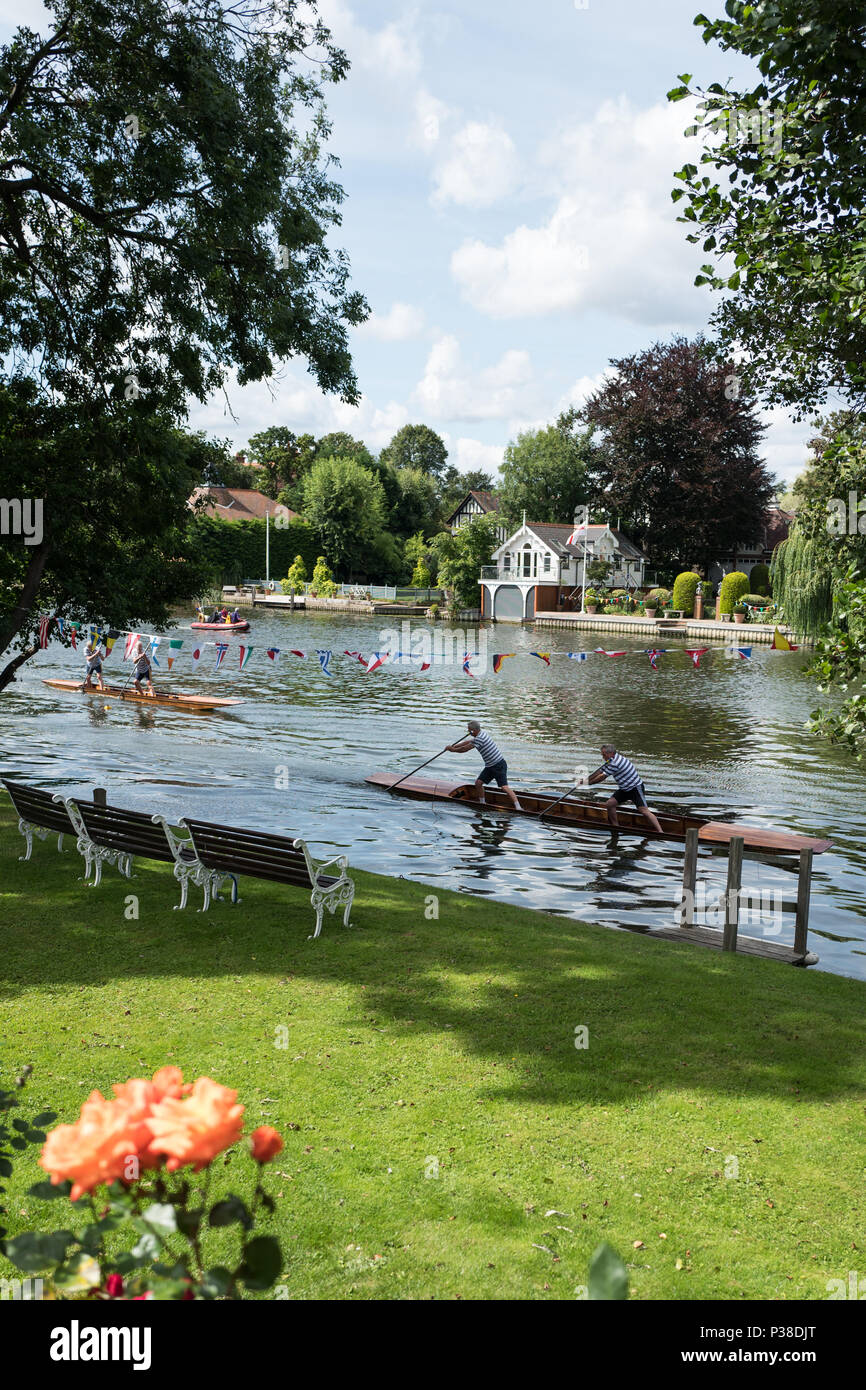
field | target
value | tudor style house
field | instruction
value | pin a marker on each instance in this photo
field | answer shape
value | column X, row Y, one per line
column 537, row 571
column 474, row 504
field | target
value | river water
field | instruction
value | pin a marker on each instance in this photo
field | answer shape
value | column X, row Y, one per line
column 726, row 739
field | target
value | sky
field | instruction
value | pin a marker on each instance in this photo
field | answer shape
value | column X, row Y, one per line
column 508, row 170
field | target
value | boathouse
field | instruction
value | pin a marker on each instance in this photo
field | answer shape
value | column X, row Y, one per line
column 536, row 570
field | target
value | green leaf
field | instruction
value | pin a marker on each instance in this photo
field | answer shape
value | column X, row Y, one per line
column 216, row 1282
column 608, row 1277
column 226, row 1213
column 263, row 1261
column 188, row 1222
column 162, row 1216
column 25, row 1252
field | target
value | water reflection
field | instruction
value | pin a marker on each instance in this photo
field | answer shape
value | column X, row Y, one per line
column 727, row 739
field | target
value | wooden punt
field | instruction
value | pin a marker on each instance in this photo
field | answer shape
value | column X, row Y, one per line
column 591, row 815
column 201, row 704
column 242, row 626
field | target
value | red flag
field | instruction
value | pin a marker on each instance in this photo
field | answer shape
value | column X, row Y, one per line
column 696, row 653
column 602, row 652
column 295, row 652
column 44, row 625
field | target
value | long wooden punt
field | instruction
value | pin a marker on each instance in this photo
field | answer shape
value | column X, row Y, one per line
column 591, row 815
column 201, row 704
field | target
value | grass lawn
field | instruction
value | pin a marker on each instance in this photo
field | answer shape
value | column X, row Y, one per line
column 716, row 1115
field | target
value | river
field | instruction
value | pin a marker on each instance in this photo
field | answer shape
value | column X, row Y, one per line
column 726, row 738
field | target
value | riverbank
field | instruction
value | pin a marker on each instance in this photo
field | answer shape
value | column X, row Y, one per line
column 446, row 1134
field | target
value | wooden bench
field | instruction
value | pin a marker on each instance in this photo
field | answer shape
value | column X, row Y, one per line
column 223, row 850
column 112, row 835
column 39, row 813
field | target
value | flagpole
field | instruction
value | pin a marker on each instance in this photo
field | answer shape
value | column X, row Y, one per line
column 267, row 547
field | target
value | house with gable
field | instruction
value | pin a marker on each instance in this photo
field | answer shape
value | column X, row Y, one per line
column 535, row 570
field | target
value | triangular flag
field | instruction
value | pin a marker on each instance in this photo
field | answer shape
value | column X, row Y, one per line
column 221, row 649
column 295, row 652
column 324, row 660
column 196, row 656
column 498, row 658
column 377, row 659
column 174, row 645
column 154, row 644
column 273, row 654
column 696, row 653
column 73, row 633
column 744, row 653
column 542, row 656
column 578, row 656
column 131, row 639
column 467, row 657
column 357, row 656
column 246, row 653
column 781, row 644
column 602, row 652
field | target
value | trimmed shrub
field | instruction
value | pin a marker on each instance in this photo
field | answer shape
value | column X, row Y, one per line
column 760, row 579
column 734, row 585
column 756, row 600
column 684, row 592
column 662, row 597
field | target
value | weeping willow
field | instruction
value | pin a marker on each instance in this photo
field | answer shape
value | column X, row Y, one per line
column 803, row 582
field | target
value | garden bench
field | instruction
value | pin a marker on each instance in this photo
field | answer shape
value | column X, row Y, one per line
column 112, row 835
column 226, row 851
column 39, row 813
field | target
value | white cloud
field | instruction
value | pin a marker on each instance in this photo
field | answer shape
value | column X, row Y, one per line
column 448, row 390
column 430, row 116
column 583, row 388
column 784, row 446
column 391, row 52
column 480, row 168
column 401, row 322
column 611, row 242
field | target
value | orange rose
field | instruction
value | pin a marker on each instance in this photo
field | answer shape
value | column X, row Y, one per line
column 95, row 1150
column 266, row 1143
column 197, row 1128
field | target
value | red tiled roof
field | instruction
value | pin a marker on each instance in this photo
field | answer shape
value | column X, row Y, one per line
column 237, row 504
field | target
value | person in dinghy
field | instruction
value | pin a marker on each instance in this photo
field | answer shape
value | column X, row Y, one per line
column 495, row 767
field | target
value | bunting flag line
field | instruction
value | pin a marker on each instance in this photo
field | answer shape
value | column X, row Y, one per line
column 44, row 625
column 246, row 653
column 273, row 654
column 744, row 653
column 781, row 644
column 196, row 657
column 542, row 656
column 578, row 656
column 221, row 649
column 696, row 653
column 131, row 639
column 174, row 646
column 295, row 652
column 154, row 644
column 324, row 660
column 467, row 657
column 654, row 653
column 498, row 658
column 601, row 651
column 357, row 656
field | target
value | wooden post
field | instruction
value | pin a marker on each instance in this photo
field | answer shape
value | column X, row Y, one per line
column 99, row 796
column 732, row 893
column 686, row 913
column 804, row 891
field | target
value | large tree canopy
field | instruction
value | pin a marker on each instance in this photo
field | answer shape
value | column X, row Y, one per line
column 544, row 473
column 677, row 457
column 786, row 225
column 345, row 504
column 417, row 446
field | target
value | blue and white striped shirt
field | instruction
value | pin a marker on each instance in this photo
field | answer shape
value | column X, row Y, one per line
column 623, row 771
column 487, row 748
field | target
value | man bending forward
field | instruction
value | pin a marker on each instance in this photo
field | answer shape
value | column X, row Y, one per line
column 495, row 767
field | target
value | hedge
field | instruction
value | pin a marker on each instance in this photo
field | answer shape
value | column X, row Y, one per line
column 684, row 592
column 734, row 585
column 236, row 549
column 760, row 579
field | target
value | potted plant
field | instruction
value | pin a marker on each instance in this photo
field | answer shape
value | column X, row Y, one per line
column 739, row 613
column 592, row 599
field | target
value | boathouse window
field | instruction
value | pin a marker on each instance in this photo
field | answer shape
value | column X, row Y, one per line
column 547, row 564
column 506, row 560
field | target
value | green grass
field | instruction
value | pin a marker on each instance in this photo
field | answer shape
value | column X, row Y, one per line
column 413, row 1040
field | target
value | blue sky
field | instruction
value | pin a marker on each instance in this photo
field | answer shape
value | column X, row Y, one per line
column 508, row 170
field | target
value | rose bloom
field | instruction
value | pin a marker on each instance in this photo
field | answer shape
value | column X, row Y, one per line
column 266, row 1143
column 109, row 1134
column 198, row 1127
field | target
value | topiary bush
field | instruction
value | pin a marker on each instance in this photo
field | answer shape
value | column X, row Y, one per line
column 684, row 592
column 756, row 600
column 760, row 579
column 734, row 585
column 662, row 598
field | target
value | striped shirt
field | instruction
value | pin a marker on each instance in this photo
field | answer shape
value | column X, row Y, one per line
column 623, row 771
column 487, row 748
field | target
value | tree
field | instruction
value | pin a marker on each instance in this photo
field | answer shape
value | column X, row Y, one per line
column 789, row 210
column 296, row 577
column 421, row 552
column 415, row 503
column 417, row 446
column 165, row 202
column 223, row 469
column 454, row 485
column 545, row 473
column 462, row 555
column 343, row 446
column 345, row 505
column 282, row 458
column 676, row 457
column 421, row 578
column 323, row 579
column 105, row 535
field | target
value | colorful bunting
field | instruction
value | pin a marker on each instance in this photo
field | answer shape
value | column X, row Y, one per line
column 44, row 625
column 196, row 657
column 246, row 653
column 131, row 639
column 324, row 660
column 696, row 653
column 578, row 656
column 221, row 649
column 498, row 658
column 654, row 653
column 273, row 654
column 154, row 644
column 295, row 652
column 175, row 645
column 601, row 651
column 781, row 644
column 745, row 653
column 542, row 656
column 377, row 659
column 357, row 656
column 467, row 657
